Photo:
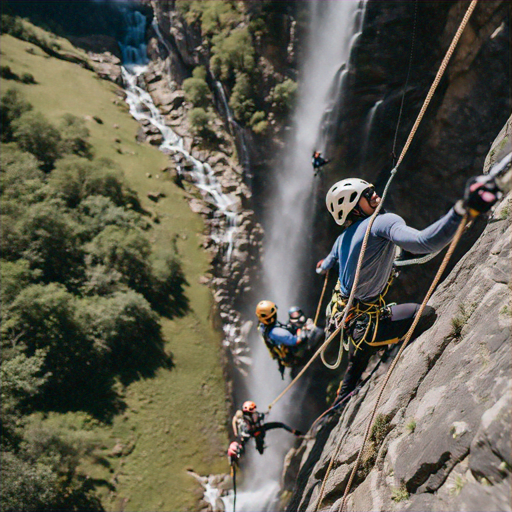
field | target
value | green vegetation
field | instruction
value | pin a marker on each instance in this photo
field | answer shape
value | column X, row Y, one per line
column 411, row 425
column 460, row 320
column 94, row 301
column 283, row 96
column 399, row 493
column 232, row 32
column 196, row 89
column 505, row 211
column 380, row 429
column 457, row 486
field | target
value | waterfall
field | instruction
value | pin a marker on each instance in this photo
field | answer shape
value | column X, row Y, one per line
column 142, row 108
column 288, row 223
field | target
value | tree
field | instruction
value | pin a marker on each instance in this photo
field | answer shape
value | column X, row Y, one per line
column 125, row 329
column 16, row 275
column 48, row 237
column 200, row 122
column 232, row 52
column 196, row 89
column 35, row 134
column 12, row 106
column 282, row 96
column 125, row 250
column 74, row 136
column 45, row 317
column 241, row 98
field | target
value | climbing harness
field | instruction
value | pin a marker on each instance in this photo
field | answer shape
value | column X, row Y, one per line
column 281, row 353
column 362, row 316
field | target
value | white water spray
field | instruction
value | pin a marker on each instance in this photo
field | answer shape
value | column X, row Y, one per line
column 333, row 24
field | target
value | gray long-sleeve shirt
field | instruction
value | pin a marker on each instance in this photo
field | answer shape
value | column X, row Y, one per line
column 387, row 231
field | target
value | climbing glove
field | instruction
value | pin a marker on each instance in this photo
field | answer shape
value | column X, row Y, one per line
column 480, row 195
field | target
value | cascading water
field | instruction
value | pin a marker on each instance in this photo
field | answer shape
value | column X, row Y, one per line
column 201, row 174
column 332, row 27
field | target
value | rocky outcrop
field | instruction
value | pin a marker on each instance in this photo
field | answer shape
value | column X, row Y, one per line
column 234, row 266
column 442, row 437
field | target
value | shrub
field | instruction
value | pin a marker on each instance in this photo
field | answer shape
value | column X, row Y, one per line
column 74, row 135
column 35, row 134
column 282, row 97
column 241, row 101
column 28, row 78
column 7, row 73
column 399, row 494
column 12, row 106
column 411, row 425
column 232, row 52
column 258, row 123
column 196, row 89
column 200, row 122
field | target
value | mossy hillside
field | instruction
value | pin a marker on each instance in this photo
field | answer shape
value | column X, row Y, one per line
column 176, row 420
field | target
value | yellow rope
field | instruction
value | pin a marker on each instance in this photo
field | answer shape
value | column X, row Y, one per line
column 310, row 362
column 321, row 298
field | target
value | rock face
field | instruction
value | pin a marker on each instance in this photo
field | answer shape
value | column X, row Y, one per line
column 442, row 439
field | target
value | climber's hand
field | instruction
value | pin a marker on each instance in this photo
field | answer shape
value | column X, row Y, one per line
column 480, row 194
column 319, row 269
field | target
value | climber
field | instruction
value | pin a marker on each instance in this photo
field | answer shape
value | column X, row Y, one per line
column 318, row 161
column 296, row 319
column 289, row 344
column 371, row 324
column 248, row 423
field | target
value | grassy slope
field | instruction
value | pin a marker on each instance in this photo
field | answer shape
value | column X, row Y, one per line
column 177, row 419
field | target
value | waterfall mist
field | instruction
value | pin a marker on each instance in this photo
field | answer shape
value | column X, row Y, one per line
column 287, row 228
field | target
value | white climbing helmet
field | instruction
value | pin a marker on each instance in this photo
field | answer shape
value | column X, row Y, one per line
column 343, row 196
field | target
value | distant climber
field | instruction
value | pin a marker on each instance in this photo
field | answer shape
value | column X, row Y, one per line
column 290, row 344
column 249, row 423
column 296, row 319
column 371, row 323
column 318, row 161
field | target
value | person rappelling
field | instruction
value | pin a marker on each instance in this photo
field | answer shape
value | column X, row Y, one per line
column 318, row 161
column 289, row 344
column 248, row 423
column 371, row 324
